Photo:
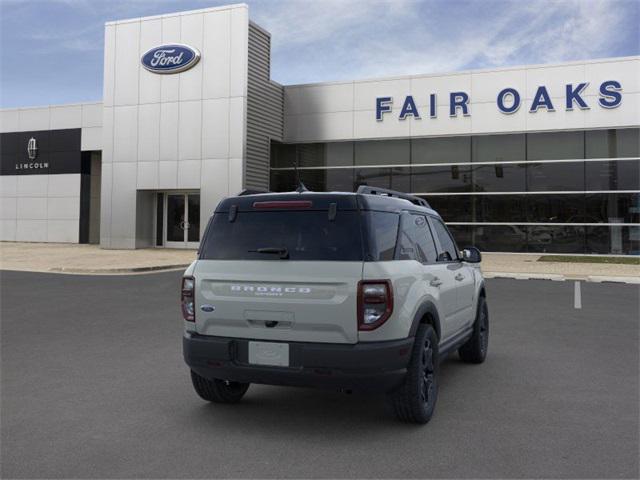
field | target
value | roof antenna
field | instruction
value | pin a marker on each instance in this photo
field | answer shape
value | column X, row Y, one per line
column 301, row 188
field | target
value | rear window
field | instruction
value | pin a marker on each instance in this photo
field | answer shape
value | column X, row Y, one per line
column 305, row 235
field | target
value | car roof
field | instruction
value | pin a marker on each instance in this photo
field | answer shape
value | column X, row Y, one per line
column 321, row 201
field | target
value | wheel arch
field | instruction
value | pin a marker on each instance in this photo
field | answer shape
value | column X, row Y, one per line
column 426, row 313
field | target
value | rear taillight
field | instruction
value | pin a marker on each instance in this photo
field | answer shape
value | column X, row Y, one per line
column 187, row 299
column 375, row 303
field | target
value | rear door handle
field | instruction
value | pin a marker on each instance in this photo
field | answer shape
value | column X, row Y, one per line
column 459, row 277
column 436, row 282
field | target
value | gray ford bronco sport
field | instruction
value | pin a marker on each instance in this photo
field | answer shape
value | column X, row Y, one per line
column 353, row 291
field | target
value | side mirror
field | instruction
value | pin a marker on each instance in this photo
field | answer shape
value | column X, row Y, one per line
column 471, row 255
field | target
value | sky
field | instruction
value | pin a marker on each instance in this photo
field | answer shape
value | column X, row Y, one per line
column 51, row 51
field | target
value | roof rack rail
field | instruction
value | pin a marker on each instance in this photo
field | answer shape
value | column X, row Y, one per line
column 252, row 192
column 393, row 193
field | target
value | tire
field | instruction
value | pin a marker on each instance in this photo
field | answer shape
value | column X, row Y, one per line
column 218, row 391
column 475, row 349
column 415, row 400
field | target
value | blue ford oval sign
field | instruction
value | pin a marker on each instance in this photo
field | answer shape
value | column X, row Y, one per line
column 173, row 58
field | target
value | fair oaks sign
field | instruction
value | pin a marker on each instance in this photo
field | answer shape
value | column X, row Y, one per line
column 508, row 101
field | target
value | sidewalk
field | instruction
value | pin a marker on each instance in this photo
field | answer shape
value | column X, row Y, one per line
column 527, row 266
column 71, row 258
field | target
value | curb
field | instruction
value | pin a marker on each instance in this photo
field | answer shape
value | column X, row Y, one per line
column 561, row 278
column 154, row 268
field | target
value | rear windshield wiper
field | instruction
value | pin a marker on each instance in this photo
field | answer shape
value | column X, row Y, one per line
column 283, row 252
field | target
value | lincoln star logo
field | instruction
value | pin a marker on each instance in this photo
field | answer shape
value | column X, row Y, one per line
column 172, row 58
column 32, row 148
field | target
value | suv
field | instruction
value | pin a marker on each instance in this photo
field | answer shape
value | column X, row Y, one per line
column 353, row 291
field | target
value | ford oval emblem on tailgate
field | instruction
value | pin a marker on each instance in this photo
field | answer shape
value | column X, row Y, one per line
column 207, row 308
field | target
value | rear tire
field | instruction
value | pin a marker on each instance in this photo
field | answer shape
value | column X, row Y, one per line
column 218, row 391
column 475, row 349
column 415, row 400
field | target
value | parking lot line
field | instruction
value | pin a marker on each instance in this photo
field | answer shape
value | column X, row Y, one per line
column 577, row 296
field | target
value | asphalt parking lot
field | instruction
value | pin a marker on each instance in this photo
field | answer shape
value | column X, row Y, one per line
column 93, row 386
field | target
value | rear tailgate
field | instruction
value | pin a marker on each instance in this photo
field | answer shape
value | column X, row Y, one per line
column 281, row 267
column 305, row 301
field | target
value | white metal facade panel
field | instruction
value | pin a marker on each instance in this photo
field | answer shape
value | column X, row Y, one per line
column 40, row 208
column 163, row 127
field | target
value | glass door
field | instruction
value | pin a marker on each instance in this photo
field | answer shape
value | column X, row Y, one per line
column 182, row 220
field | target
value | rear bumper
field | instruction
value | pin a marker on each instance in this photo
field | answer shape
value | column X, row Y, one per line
column 374, row 366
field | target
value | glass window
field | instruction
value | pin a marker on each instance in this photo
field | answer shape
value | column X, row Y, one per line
column 499, row 178
column 453, row 208
column 339, row 180
column 314, row 180
column 312, row 154
column 555, row 145
column 441, row 150
column 612, row 143
column 415, row 241
column 397, row 178
column 555, row 208
column 440, row 179
column 612, row 208
column 543, row 177
column 308, row 235
column 448, row 250
column 613, row 240
column 383, row 227
column 462, row 234
column 556, row 239
column 282, row 155
column 613, row 175
column 282, row 181
column 499, row 148
column 500, row 208
column 500, row 238
column 339, row 154
column 382, row 152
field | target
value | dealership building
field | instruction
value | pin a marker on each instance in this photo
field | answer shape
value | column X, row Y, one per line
column 541, row 158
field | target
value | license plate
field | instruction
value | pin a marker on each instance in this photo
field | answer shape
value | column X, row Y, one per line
column 269, row 353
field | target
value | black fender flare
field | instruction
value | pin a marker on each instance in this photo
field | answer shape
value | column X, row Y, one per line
column 429, row 308
column 482, row 292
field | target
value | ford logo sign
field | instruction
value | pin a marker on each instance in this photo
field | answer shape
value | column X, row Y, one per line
column 173, row 58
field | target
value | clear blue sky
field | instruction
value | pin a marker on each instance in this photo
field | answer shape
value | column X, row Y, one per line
column 51, row 50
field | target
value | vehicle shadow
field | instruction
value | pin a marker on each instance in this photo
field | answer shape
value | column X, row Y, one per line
column 271, row 410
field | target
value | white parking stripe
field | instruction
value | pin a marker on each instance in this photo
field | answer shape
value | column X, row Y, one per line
column 577, row 296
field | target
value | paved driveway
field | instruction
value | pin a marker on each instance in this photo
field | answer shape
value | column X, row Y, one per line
column 93, row 385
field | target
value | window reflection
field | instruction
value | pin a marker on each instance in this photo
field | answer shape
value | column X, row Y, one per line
column 555, row 208
column 612, row 143
column 544, row 177
column 613, row 175
column 441, row 150
column 447, row 178
column 499, row 178
column 382, row 152
column 555, row 145
column 556, row 239
column 499, row 148
column 613, row 207
column 394, row 178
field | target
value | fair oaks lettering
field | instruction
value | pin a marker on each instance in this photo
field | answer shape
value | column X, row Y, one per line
column 508, row 101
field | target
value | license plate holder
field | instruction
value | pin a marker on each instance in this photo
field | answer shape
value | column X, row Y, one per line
column 274, row 354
